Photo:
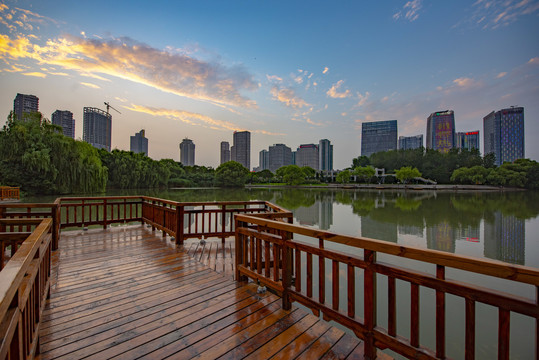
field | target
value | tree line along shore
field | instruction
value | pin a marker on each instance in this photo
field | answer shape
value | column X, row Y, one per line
column 39, row 159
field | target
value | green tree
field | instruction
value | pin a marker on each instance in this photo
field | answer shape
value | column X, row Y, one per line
column 344, row 177
column 407, row 173
column 476, row 175
column 291, row 174
column 365, row 173
column 360, row 161
column 231, row 174
column 37, row 157
column 308, row 172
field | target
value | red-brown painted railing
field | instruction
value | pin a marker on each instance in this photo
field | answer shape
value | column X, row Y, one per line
column 24, row 286
column 9, row 193
column 281, row 268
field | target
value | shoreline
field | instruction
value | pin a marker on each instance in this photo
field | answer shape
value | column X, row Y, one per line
column 414, row 187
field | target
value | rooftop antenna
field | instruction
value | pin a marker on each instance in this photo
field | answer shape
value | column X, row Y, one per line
column 111, row 107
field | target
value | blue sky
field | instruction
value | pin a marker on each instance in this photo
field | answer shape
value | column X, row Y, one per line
column 290, row 72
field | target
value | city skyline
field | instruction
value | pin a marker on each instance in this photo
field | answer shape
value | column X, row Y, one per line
column 203, row 75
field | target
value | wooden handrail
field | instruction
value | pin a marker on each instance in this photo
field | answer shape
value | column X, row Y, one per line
column 255, row 236
column 24, row 285
column 9, row 193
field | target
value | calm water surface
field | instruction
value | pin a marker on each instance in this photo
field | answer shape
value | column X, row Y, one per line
column 499, row 226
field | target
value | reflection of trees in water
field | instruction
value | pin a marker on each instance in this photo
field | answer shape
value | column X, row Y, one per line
column 407, row 204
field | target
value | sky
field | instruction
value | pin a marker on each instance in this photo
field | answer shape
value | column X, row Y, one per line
column 290, row 72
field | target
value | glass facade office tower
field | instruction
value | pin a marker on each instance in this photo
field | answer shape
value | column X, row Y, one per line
column 64, row 119
column 279, row 155
column 378, row 136
column 25, row 104
column 263, row 160
column 410, row 142
column 503, row 134
column 187, row 152
column 225, row 152
column 97, row 128
column 139, row 143
column 325, row 155
column 467, row 140
column 241, row 148
column 307, row 155
column 441, row 131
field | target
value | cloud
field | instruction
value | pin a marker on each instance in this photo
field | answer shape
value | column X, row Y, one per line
column 127, row 59
column 363, row 98
column 309, row 121
column 534, row 60
column 334, row 93
column 326, row 69
column 465, row 82
column 410, row 11
column 36, row 74
column 274, row 78
column 192, row 118
column 501, row 75
column 90, row 85
column 491, row 14
column 288, row 97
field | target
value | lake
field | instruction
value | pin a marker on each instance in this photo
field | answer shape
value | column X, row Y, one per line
column 502, row 226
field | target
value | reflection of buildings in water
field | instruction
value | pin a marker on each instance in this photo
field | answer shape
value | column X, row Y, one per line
column 411, row 230
column 468, row 233
column 505, row 239
column 321, row 214
column 378, row 230
column 441, row 237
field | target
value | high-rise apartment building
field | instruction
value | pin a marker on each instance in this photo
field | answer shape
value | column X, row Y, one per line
column 225, row 152
column 25, row 104
column 441, row 131
column 503, row 134
column 279, row 155
column 467, row 140
column 64, row 119
column 97, row 128
column 410, row 142
column 325, row 155
column 263, row 160
column 241, row 148
column 378, row 136
column 187, row 152
column 307, row 155
column 139, row 143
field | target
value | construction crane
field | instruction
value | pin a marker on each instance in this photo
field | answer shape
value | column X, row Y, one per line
column 110, row 106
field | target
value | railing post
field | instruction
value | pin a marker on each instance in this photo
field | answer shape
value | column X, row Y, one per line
column 223, row 222
column 55, row 224
column 180, row 212
column 370, row 303
column 286, row 270
column 104, row 214
column 239, row 250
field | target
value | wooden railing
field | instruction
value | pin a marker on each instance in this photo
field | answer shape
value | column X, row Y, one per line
column 267, row 252
column 24, row 287
column 9, row 193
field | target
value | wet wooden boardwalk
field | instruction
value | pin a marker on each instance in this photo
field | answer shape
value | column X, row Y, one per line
column 128, row 293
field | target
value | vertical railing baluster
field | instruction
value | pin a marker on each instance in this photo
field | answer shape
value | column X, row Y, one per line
column 309, row 275
column 351, row 289
column 503, row 334
column 469, row 353
column 335, row 285
column 391, row 306
column 414, row 315
column 369, row 294
column 286, row 270
column 440, row 315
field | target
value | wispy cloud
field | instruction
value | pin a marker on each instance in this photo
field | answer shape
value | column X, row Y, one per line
column 288, row 97
column 35, row 74
column 334, row 93
column 534, row 60
column 128, row 59
column 501, row 75
column 90, row 85
column 192, row 118
column 363, row 98
column 326, row 69
column 410, row 11
column 491, row 14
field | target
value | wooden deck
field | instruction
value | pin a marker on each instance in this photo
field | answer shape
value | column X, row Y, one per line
column 129, row 293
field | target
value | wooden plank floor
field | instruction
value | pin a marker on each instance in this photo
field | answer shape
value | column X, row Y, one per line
column 128, row 293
